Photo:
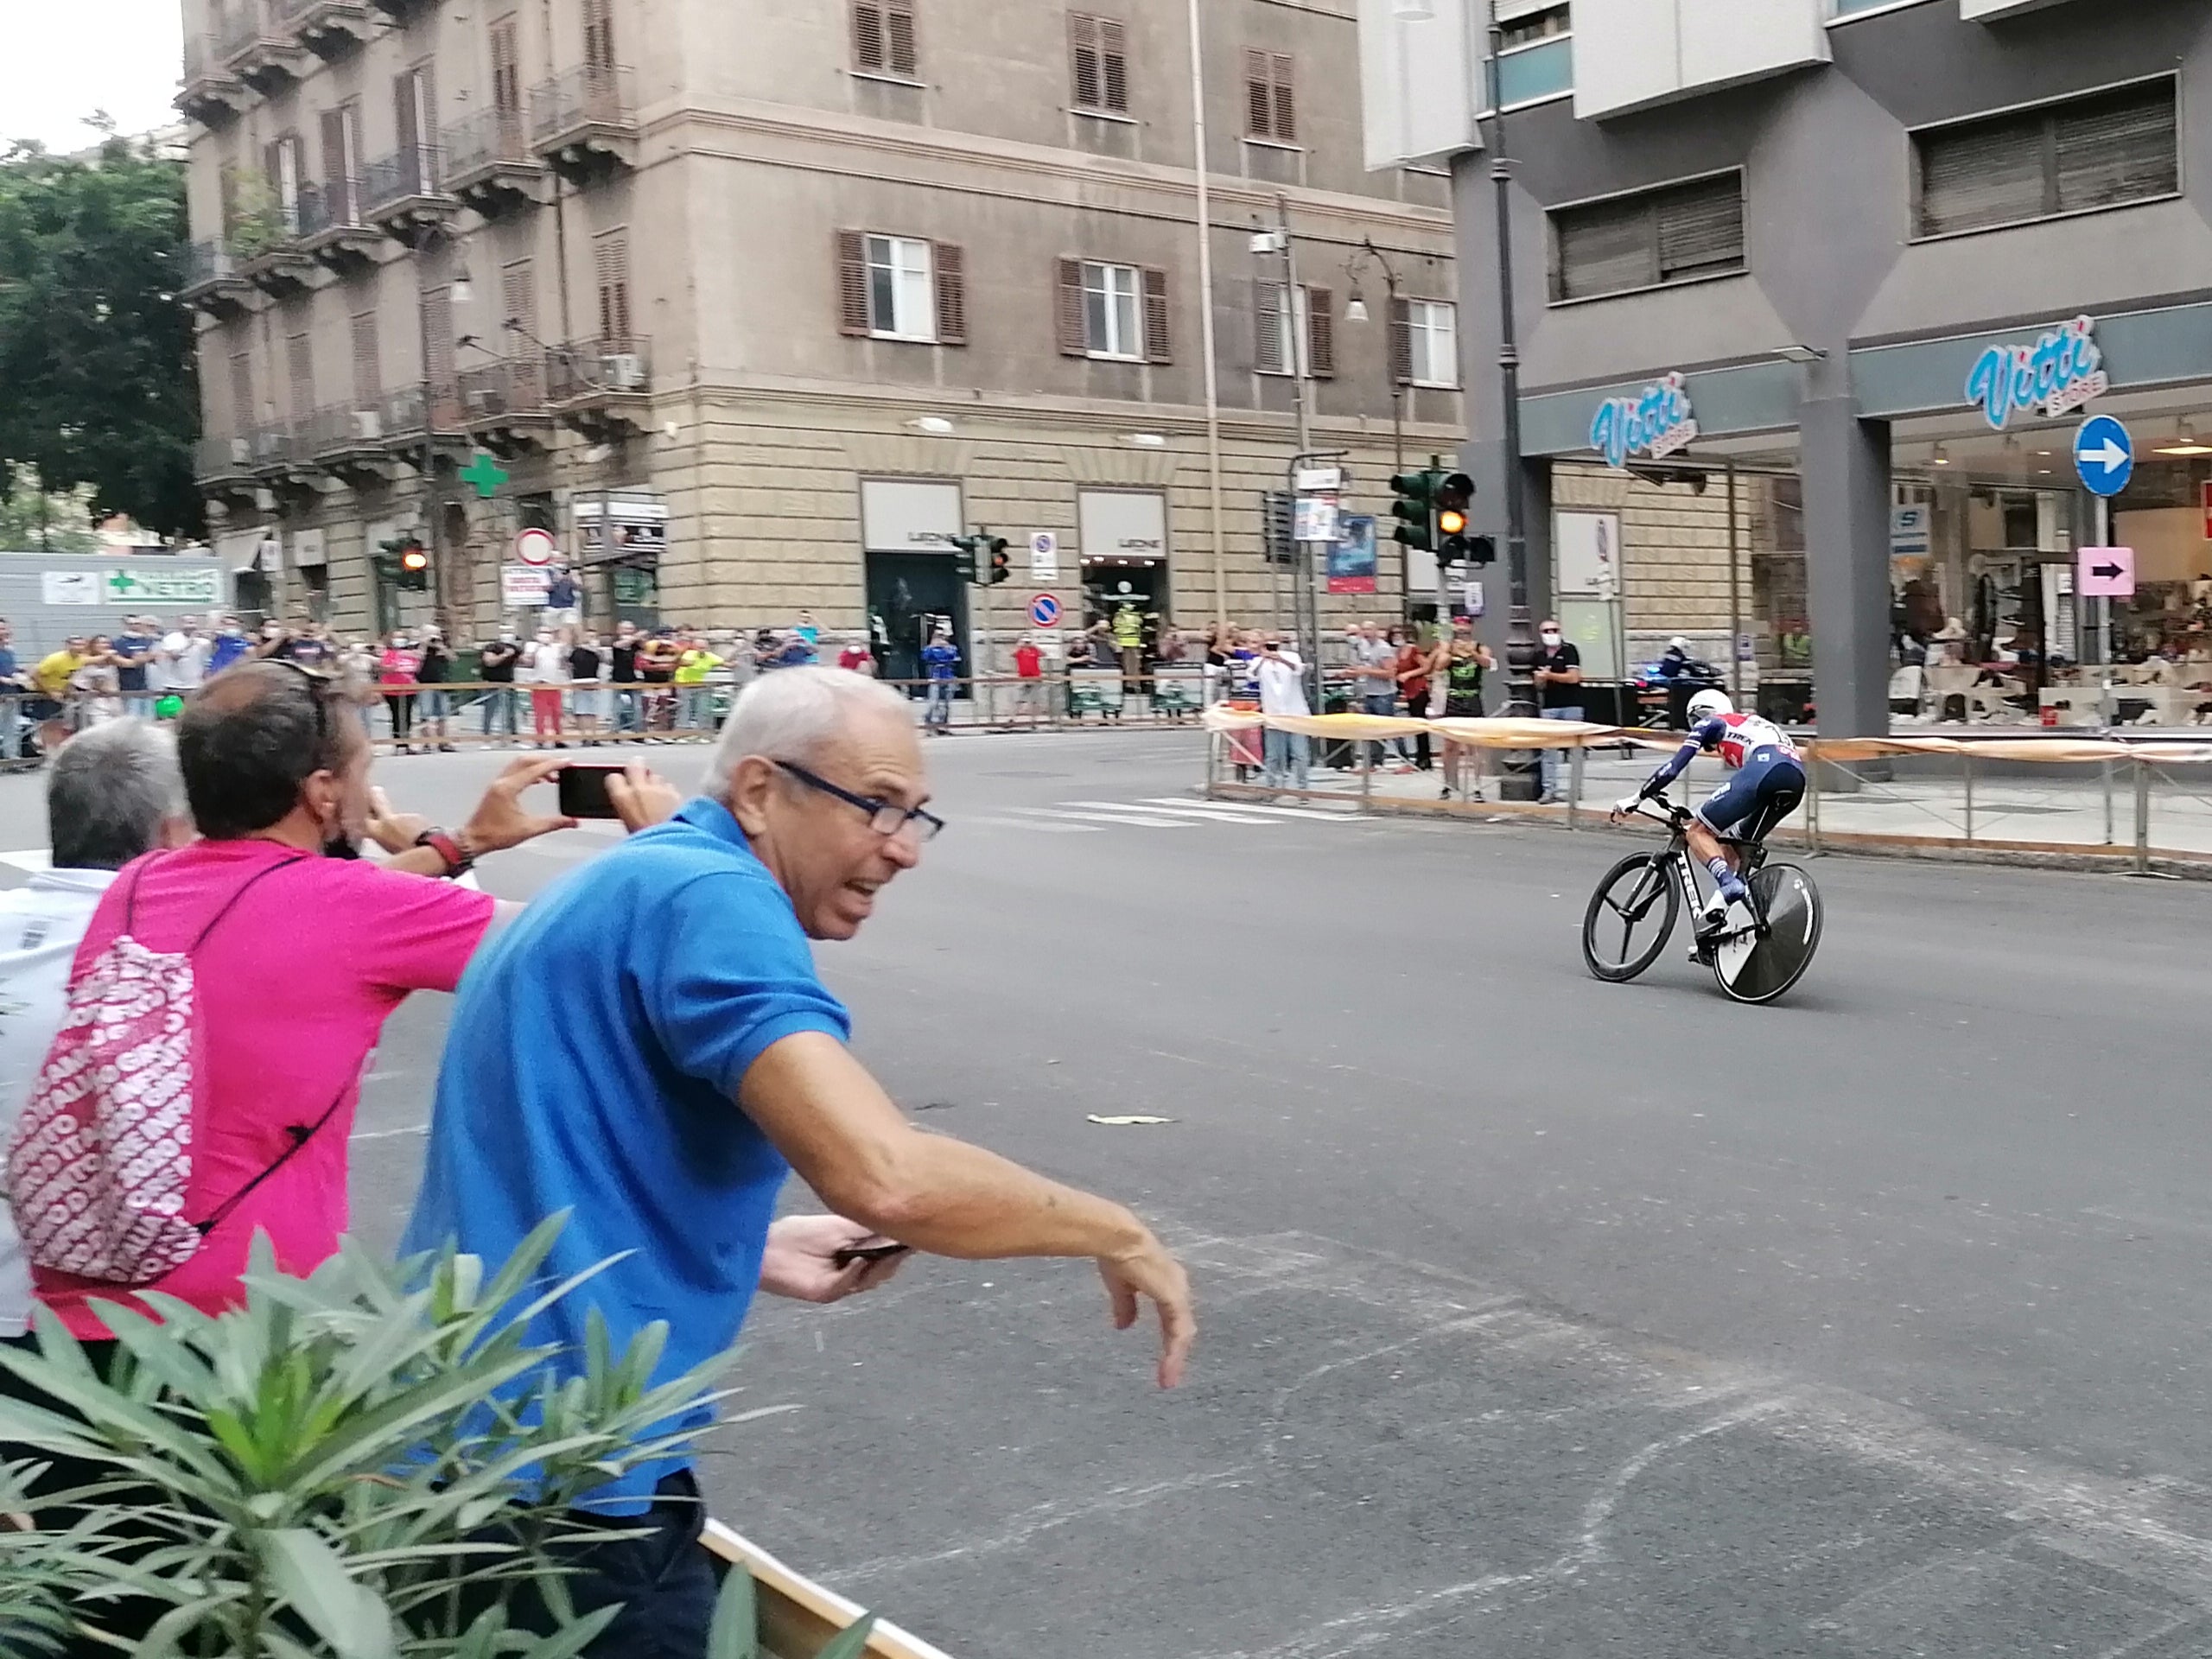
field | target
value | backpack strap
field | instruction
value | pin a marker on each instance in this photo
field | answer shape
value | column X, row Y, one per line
column 301, row 1135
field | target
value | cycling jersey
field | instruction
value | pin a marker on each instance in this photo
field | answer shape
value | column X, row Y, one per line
column 1736, row 735
column 1769, row 778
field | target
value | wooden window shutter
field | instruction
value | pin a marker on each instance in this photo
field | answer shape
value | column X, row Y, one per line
column 402, row 110
column 1259, row 96
column 368, row 375
column 1320, row 333
column 1286, row 127
column 610, row 253
column 1157, row 342
column 868, row 35
column 242, row 409
column 506, row 67
column 1267, row 319
column 1113, row 66
column 334, row 155
column 299, row 353
column 227, row 191
column 1401, row 343
column 1067, row 309
column 900, row 53
column 599, row 33
column 1087, row 92
column 271, row 168
column 852, row 283
column 518, row 300
column 949, row 271
column 437, row 337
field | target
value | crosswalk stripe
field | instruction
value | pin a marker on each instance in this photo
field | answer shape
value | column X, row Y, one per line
column 1154, row 822
column 1265, row 811
column 1201, row 814
column 1039, row 824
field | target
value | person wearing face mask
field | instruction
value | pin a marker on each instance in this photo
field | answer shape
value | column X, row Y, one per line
column 1559, row 693
column 397, row 671
column 276, row 771
column 232, row 644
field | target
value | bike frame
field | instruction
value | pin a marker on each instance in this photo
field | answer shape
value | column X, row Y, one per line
column 1676, row 819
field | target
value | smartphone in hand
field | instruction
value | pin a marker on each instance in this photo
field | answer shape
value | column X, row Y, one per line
column 881, row 1250
column 583, row 791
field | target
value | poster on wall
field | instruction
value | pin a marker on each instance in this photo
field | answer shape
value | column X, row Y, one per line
column 1351, row 558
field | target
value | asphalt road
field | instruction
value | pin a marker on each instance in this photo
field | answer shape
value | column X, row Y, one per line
column 1541, row 1317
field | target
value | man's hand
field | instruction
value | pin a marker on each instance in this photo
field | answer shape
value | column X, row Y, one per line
column 1628, row 805
column 1147, row 1270
column 500, row 821
column 800, row 1260
column 393, row 831
column 642, row 797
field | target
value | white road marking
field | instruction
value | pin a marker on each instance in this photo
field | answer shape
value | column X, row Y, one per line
column 1036, row 825
column 1200, row 813
column 1126, row 822
column 1324, row 815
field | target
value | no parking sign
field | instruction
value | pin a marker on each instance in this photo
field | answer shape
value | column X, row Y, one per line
column 1044, row 612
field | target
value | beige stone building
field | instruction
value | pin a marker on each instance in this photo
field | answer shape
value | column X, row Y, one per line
column 781, row 293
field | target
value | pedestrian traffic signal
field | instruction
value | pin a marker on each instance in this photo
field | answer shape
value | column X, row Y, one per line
column 1454, row 492
column 1279, row 516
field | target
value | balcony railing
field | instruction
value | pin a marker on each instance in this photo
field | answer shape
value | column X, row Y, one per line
column 333, row 205
column 216, row 458
column 407, row 175
column 591, row 95
column 1542, row 70
column 588, row 369
column 503, row 389
column 402, row 412
column 344, row 428
column 487, row 139
column 206, row 262
column 272, row 446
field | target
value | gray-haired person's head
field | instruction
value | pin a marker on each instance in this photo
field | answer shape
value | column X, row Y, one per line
column 823, row 771
column 112, row 793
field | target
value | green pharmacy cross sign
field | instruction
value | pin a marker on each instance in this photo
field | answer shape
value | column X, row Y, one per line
column 485, row 473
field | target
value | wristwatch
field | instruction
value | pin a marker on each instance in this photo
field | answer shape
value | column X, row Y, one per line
column 458, row 864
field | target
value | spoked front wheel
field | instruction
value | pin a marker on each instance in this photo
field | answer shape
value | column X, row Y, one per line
column 1754, row 967
column 1629, row 918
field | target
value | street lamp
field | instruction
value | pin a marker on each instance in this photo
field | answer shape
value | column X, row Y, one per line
column 1364, row 254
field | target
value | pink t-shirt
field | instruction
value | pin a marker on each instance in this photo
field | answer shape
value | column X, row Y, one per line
column 295, row 983
column 399, row 667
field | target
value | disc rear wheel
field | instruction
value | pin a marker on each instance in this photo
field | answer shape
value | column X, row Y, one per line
column 1772, row 964
column 1629, row 918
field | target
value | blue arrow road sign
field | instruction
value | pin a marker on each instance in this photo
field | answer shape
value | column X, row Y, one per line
column 2104, row 454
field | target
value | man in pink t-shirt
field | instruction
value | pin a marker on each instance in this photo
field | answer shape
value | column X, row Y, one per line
column 307, row 956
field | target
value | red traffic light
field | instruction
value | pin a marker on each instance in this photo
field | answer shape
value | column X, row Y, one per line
column 414, row 560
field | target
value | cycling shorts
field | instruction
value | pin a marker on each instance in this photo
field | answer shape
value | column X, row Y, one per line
column 1765, row 790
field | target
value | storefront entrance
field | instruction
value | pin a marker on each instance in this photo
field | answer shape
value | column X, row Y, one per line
column 909, row 596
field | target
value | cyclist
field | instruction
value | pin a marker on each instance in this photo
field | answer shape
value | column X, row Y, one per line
column 1770, row 782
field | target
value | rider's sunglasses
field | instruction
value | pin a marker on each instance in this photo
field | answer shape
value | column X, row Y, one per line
column 886, row 818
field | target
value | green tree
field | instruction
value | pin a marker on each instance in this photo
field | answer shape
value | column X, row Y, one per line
column 95, row 352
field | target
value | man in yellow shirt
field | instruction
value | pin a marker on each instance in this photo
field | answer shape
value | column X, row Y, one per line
column 51, row 676
column 693, row 664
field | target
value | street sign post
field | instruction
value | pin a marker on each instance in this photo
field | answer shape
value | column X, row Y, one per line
column 1044, row 612
column 1044, row 555
column 2105, row 573
column 2104, row 456
column 524, row 587
column 1317, row 480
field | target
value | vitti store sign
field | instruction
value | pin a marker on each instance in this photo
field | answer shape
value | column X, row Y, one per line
column 2061, row 370
column 1656, row 422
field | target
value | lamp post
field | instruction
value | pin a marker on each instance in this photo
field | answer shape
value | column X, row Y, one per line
column 1364, row 254
column 1520, row 781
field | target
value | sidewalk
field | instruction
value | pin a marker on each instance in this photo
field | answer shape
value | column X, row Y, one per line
column 2069, row 814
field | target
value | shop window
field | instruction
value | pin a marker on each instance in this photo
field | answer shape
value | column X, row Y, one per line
column 2073, row 156
column 1677, row 234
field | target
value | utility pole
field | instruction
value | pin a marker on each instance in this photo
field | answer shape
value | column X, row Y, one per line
column 1304, row 593
column 1520, row 779
column 1199, row 161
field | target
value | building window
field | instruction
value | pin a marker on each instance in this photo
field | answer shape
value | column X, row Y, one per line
column 1099, row 64
column 902, row 288
column 1271, row 105
column 1426, row 344
column 611, row 261
column 2069, row 157
column 1110, row 311
column 1315, row 309
column 1536, row 54
column 1677, row 234
column 883, row 38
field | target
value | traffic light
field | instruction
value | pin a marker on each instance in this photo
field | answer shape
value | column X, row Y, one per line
column 1454, row 492
column 964, row 549
column 405, row 564
column 1416, row 508
column 1279, row 515
column 995, row 546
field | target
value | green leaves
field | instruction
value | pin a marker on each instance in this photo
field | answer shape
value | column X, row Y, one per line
column 359, row 1464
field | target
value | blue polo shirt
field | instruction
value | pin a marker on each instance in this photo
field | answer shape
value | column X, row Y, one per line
column 593, row 1065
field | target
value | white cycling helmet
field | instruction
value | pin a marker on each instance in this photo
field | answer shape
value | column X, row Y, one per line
column 1705, row 704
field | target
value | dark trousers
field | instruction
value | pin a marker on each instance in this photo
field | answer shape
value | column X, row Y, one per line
column 664, row 1582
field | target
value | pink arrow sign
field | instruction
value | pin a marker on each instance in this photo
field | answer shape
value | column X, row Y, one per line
column 2105, row 572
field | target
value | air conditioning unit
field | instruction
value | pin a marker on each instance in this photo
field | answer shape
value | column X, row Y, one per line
column 368, row 425
column 622, row 371
column 241, row 452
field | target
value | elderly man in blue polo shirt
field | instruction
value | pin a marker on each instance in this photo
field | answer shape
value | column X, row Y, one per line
column 649, row 1047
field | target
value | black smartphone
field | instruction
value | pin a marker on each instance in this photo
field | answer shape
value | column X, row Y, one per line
column 583, row 791
column 853, row 1253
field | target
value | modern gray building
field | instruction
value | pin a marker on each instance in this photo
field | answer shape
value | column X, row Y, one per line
column 1864, row 265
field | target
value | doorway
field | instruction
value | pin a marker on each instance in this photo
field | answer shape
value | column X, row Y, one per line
column 908, row 594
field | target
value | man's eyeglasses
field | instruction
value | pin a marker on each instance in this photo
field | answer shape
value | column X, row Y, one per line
column 886, row 818
column 324, row 690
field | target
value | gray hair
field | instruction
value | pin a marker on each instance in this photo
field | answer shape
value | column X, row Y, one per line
column 108, row 793
column 788, row 714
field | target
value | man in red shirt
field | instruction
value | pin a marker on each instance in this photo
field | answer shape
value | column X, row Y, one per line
column 1029, row 668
